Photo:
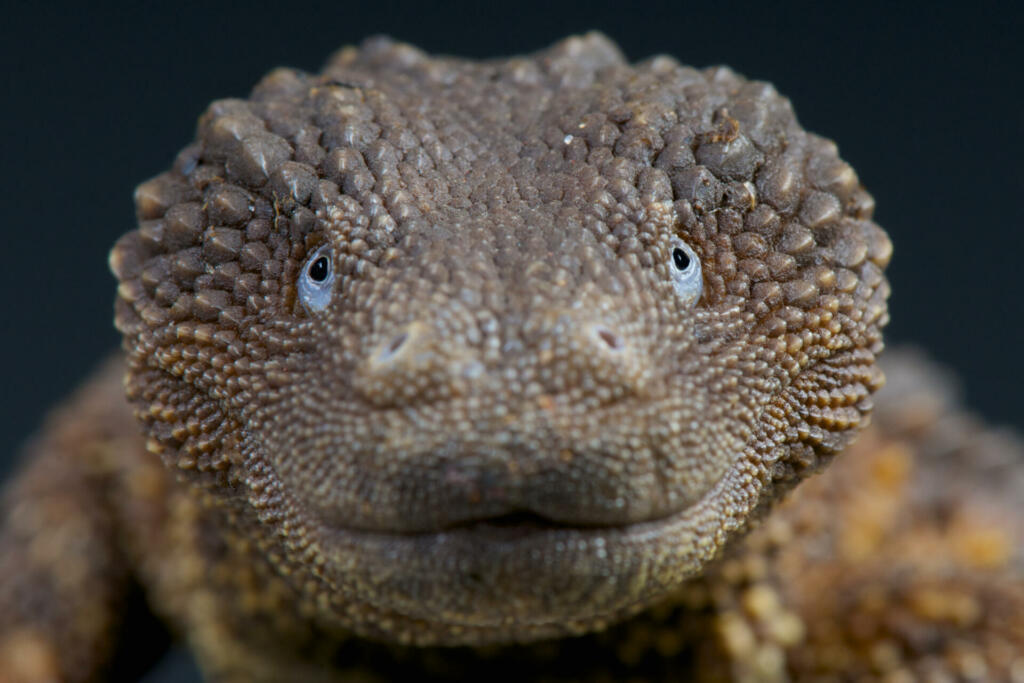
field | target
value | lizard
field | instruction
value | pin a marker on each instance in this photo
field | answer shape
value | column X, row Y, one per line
column 444, row 368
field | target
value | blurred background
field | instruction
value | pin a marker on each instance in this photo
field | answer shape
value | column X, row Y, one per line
column 925, row 101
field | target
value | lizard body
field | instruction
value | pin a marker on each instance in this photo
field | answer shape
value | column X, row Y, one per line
column 439, row 362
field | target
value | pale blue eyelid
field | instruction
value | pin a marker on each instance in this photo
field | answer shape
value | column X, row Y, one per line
column 689, row 283
column 316, row 295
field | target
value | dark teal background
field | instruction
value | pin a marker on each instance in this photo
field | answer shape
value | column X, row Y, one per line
column 924, row 100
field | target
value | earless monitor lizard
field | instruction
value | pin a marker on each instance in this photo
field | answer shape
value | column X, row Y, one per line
column 482, row 370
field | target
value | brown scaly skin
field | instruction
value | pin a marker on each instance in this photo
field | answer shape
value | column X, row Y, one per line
column 506, row 444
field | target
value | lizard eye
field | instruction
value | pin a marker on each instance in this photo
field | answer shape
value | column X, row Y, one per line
column 686, row 272
column 317, row 280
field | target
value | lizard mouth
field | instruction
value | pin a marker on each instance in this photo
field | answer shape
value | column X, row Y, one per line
column 474, row 552
column 513, row 526
column 516, row 574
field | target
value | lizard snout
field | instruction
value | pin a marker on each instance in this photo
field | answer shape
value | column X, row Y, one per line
column 580, row 352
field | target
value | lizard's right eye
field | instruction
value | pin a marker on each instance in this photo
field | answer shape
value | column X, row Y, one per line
column 317, row 280
column 686, row 272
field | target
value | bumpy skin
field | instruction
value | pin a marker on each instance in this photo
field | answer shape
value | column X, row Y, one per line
column 506, row 427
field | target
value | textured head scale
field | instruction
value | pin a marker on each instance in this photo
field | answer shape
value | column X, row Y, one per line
column 504, row 419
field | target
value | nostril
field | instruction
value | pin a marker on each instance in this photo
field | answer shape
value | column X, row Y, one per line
column 396, row 343
column 392, row 348
column 612, row 340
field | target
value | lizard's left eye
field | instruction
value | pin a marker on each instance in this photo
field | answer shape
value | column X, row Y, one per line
column 686, row 272
column 316, row 283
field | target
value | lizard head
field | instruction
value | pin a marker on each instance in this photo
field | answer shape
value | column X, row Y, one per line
column 504, row 349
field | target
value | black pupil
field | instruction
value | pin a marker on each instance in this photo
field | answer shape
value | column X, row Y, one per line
column 681, row 259
column 320, row 269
